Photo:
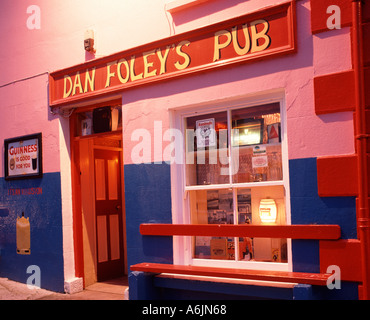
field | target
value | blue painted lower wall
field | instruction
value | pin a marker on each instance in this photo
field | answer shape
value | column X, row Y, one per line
column 40, row 200
column 148, row 199
column 308, row 208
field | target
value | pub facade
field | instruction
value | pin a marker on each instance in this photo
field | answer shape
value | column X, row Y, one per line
column 219, row 155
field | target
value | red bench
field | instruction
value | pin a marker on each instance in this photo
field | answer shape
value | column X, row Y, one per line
column 314, row 232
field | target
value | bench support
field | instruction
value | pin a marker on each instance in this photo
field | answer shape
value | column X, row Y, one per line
column 147, row 286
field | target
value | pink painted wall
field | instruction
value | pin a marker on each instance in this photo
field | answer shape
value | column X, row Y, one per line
column 56, row 45
column 309, row 135
column 120, row 25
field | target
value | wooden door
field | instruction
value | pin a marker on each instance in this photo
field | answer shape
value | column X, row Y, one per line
column 108, row 207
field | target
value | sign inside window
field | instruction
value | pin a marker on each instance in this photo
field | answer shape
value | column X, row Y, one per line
column 205, row 132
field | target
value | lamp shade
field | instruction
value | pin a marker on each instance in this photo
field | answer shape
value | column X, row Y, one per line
column 268, row 211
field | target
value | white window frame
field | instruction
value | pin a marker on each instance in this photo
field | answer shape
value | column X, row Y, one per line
column 182, row 245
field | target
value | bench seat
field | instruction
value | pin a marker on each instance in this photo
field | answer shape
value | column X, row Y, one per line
column 319, row 279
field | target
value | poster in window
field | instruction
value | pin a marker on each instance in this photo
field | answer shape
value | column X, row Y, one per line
column 23, row 157
column 202, row 247
column 273, row 132
column 205, row 133
column 219, row 249
column 86, row 127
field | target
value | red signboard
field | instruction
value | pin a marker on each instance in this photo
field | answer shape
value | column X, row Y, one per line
column 257, row 35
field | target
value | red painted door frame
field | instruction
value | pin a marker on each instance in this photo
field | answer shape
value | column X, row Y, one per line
column 76, row 188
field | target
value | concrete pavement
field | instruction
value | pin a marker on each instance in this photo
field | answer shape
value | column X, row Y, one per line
column 110, row 290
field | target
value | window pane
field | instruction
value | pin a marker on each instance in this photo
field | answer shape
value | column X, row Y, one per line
column 256, row 144
column 253, row 206
column 206, row 149
column 212, row 207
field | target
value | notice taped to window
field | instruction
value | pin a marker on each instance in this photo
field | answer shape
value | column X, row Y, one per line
column 205, row 132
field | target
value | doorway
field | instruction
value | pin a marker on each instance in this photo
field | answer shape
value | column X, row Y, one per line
column 108, row 211
column 98, row 201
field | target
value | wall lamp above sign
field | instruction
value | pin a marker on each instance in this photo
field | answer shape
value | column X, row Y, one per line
column 89, row 41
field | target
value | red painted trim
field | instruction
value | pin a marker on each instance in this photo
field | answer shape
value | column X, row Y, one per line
column 260, row 275
column 367, row 119
column 180, row 5
column 282, row 31
column 337, row 176
column 363, row 211
column 366, row 43
column 346, row 254
column 76, row 188
column 76, row 203
column 367, row 84
column 319, row 16
column 334, row 92
column 327, row 232
column 51, row 92
column 365, row 11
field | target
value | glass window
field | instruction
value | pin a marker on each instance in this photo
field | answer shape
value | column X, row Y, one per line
column 256, row 144
column 104, row 119
column 216, row 206
column 234, row 175
column 206, row 149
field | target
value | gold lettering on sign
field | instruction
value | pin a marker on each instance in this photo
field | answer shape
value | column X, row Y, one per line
column 239, row 50
column 260, row 35
column 123, row 62
column 237, row 42
column 148, row 64
column 66, row 92
column 253, row 43
column 132, row 70
column 77, row 84
column 185, row 64
column 163, row 59
column 218, row 45
column 90, row 81
column 109, row 73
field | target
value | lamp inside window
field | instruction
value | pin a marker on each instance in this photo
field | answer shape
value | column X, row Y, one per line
column 268, row 211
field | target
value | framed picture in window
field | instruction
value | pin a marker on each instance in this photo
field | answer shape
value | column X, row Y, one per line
column 249, row 132
column 23, row 157
column 273, row 133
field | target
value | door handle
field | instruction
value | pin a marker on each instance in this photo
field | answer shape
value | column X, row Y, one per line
column 118, row 207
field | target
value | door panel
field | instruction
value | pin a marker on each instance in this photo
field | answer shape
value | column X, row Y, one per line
column 102, row 238
column 114, row 237
column 108, row 206
column 112, row 179
column 100, row 179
